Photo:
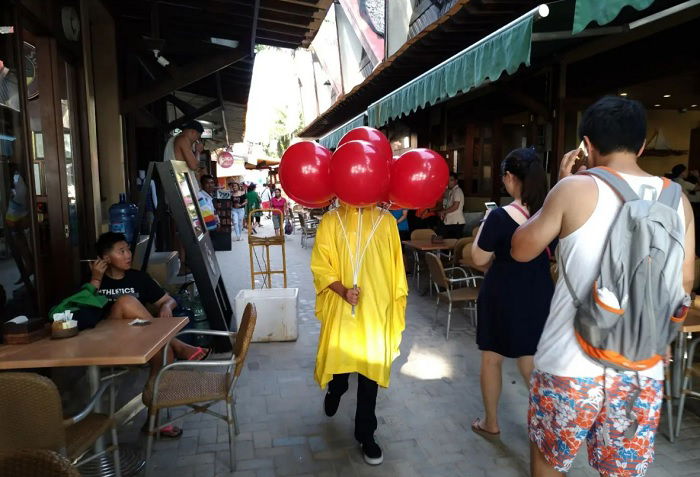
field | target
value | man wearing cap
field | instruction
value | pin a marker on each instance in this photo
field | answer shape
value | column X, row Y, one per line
column 186, row 146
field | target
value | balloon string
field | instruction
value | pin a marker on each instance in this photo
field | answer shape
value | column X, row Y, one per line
column 358, row 258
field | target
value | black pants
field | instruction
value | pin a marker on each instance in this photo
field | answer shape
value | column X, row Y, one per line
column 452, row 231
column 365, row 418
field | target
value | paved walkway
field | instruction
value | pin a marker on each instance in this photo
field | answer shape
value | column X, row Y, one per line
column 424, row 417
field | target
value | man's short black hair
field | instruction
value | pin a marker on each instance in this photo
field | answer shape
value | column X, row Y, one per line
column 107, row 241
column 203, row 180
column 454, row 175
column 615, row 124
column 196, row 125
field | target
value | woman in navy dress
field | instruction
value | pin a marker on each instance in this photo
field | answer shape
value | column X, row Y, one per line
column 514, row 298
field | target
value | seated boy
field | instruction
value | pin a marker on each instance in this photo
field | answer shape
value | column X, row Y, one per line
column 128, row 291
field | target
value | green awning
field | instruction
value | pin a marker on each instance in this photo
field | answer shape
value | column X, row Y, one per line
column 504, row 50
column 331, row 139
column 602, row 11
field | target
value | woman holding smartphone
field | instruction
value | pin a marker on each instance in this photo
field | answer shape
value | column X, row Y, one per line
column 514, row 298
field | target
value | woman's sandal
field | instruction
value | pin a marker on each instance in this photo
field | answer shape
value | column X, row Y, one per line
column 476, row 428
column 167, row 432
column 200, row 354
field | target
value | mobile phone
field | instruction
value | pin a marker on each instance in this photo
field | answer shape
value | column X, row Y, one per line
column 582, row 157
column 491, row 205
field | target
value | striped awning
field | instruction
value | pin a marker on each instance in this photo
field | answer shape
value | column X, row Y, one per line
column 331, row 139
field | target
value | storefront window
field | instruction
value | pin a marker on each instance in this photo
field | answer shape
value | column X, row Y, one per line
column 17, row 264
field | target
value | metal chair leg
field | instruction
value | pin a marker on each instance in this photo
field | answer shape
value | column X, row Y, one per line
column 437, row 308
column 235, row 416
column 232, row 423
column 149, row 443
column 669, row 407
column 449, row 318
column 681, row 405
column 115, row 454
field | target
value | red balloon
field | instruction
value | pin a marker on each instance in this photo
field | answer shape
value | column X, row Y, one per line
column 359, row 174
column 371, row 135
column 418, row 179
column 305, row 173
column 309, row 205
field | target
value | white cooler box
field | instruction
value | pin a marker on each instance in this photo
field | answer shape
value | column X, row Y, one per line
column 277, row 313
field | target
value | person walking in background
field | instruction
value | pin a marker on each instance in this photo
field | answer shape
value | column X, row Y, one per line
column 278, row 203
column 574, row 398
column 253, row 200
column 401, row 217
column 238, row 198
column 453, row 215
column 515, row 297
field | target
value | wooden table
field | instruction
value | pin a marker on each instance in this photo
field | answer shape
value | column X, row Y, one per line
column 111, row 343
column 426, row 246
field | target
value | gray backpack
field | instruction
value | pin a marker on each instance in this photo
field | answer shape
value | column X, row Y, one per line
column 641, row 266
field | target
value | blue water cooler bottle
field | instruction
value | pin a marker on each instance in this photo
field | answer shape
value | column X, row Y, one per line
column 122, row 216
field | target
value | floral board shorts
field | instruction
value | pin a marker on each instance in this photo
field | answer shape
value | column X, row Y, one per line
column 566, row 411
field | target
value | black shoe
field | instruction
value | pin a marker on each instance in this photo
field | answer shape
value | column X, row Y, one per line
column 372, row 452
column 330, row 404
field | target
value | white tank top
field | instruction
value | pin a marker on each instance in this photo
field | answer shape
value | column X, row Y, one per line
column 558, row 352
column 169, row 152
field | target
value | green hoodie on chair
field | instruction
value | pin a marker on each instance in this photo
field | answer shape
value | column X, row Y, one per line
column 86, row 306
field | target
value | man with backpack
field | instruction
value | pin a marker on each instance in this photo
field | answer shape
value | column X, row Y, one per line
column 621, row 296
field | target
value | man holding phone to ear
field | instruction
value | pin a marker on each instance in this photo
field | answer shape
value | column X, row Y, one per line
column 573, row 398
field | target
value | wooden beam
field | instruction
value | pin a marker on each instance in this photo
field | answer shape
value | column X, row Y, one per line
column 254, row 27
column 207, row 108
column 180, row 104
column 182, row 76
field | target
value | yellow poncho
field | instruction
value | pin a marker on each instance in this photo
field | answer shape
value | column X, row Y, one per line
column 367, row 342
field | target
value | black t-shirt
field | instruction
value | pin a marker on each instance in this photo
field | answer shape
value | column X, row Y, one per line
column 135, row 283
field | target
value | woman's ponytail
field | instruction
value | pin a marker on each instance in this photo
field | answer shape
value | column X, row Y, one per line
column 525, row 165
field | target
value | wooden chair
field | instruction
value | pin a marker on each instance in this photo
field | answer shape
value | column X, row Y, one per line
column 31, row 417
column 35, row 463
column 422, row 234
column 445, row 288
column 199, row 385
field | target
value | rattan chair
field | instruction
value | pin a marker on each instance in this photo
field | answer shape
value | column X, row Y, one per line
column 460, row 245
column 445, row 289
column 308, row 229
column 200, row 385
column 35, row 463
column 419, row 234
column 31, row 418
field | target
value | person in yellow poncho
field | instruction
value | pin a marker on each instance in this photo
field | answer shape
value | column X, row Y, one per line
column 361, row 294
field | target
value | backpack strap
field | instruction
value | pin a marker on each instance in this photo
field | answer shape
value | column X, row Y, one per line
column 562, row 268
column 670, row 193
column 615, row 181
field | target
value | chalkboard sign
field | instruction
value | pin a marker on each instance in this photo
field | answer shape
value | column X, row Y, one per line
column 181, row 192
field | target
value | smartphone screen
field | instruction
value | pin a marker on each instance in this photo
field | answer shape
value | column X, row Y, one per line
column 491, row 205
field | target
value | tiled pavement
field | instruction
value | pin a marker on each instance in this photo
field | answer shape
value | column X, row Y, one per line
column 424, row 416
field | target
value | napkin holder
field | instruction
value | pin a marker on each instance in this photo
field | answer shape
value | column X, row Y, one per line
column 23, row 333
